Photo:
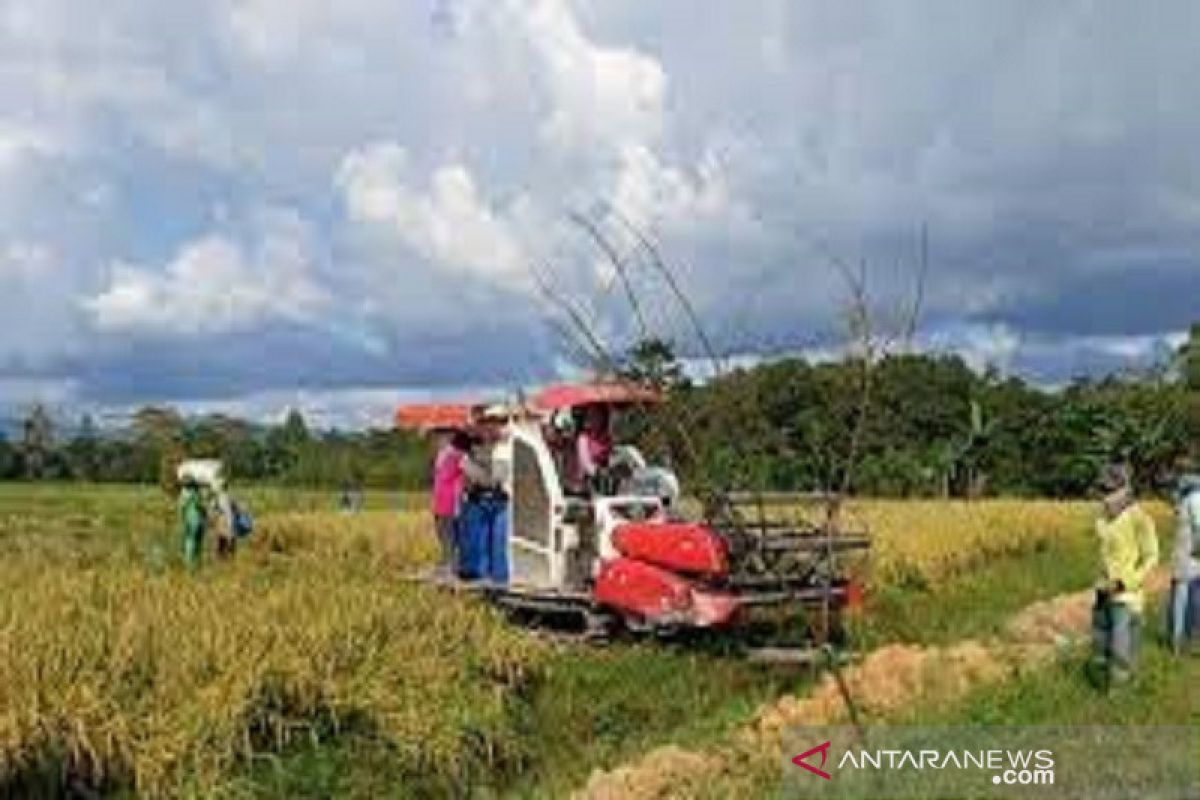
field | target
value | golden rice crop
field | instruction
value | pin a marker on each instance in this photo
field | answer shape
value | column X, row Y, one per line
column 385, row 540
column 166, row 682
column 930, row 540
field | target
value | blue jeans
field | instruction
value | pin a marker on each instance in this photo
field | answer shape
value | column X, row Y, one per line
column 1116, row 630
column 1183, row 614
column 483, row 535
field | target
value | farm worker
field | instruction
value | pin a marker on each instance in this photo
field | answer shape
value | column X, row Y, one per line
column 226, row 535
column 1185, row 567
column 560, row 438
column 481, row 525
column 448, row 477
column 594, row 446
column 194, row 520
column 1128, row 547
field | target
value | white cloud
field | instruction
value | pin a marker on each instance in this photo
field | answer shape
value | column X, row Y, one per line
column 980, row 345
column 18, row 142
column 125, row 70
column 602, row 124
column 648, row 191
column 600, row 95
column 275, row 30
column 213, row 285
column 447, row 222
column 1130, row 349
column 280, row 33
column 25, row 263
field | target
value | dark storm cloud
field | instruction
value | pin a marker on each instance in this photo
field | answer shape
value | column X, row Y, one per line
column 1145, row 300
column 230, row 366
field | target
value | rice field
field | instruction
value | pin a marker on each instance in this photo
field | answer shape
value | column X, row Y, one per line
column 119, row 671
column 927, row 541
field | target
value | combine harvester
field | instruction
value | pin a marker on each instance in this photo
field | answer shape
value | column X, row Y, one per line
column 627, row 557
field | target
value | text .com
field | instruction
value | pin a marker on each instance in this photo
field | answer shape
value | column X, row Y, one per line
column 1025, row 777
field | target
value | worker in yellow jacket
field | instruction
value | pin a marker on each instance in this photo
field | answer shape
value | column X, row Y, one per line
column 1128, row 547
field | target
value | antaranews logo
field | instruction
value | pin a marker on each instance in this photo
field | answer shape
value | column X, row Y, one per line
column 802, row 760
column 1008, row 767
column 965, row 762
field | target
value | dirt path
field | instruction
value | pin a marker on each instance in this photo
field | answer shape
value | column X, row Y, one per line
column 885, row 682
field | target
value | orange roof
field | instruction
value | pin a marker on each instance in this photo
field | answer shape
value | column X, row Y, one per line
column 432, row 416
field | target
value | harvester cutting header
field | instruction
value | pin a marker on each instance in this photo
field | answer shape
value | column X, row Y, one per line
column 571, row 522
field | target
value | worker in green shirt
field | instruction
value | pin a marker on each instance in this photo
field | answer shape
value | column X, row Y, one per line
column 194, row 520
column 1128, row 548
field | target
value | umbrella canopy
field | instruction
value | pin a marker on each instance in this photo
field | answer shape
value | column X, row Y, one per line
column 575, row 395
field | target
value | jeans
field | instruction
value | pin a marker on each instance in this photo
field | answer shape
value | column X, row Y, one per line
column 1182, row 611
column 1116, row 631
column 484, row 542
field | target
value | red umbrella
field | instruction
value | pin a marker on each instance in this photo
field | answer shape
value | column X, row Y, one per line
column 574, row 395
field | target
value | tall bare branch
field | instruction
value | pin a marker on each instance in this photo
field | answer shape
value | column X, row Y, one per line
column 669, row 276
column 913, row 319
column 581, row 334
column 618, row 264
column 871, row 339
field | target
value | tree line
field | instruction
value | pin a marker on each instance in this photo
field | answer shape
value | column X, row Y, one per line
column 157, row 438
column 935, row 427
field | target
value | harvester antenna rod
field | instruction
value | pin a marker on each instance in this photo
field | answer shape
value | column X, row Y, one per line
column 621, row 272
column 672, row 282
column 835, row 666
column 914, row 311
column 586, row 339
column 618, row 263
column 591, row 342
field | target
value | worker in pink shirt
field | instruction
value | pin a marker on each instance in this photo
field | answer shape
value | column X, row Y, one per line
column 448, row 476
column 593, row 447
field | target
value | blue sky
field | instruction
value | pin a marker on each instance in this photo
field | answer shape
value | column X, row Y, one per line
column 247, row 204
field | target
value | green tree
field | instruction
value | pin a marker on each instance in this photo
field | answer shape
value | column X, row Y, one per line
column 37, row 443
column 1189, row 370
column 229, row 439
column 1014, row 414
column 157, row 424
column 158, row 444
column 8, row 458
column 286, row 446
column 1144, row 425
column 1189, row 358
column 652, row 362
column 83, row 452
